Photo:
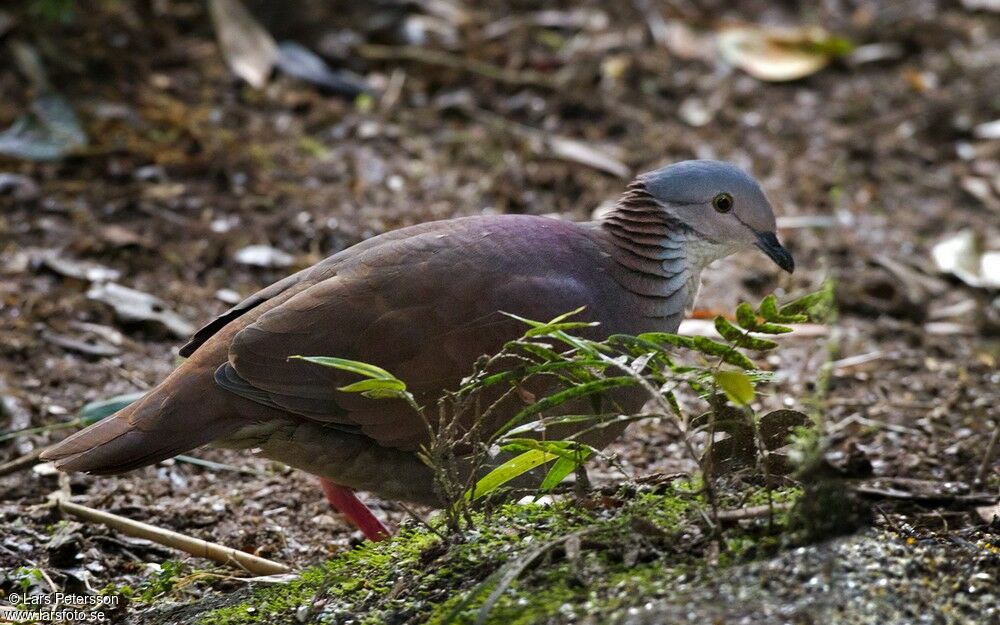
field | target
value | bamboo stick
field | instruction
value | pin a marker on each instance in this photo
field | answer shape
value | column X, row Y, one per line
column 194, row 546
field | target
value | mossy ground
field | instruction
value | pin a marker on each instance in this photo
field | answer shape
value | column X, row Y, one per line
column 591, row 557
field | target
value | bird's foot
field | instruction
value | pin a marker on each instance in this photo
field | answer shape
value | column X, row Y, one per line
column 346, row 502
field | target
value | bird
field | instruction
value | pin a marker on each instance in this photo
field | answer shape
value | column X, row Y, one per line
column 424, row 302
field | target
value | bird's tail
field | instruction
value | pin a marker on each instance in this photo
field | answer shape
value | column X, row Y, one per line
column 185, row 411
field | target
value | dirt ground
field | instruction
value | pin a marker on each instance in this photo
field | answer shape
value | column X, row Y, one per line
column 870, row 162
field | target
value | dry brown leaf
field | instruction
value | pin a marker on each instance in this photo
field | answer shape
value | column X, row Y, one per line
column 778, row 54
column 580, row 152
column 248, row 48
column 964, row 256
column 988, row 513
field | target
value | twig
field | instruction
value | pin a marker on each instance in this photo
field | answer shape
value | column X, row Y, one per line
column 6, row 436
column 23, row 462
column 444, row 59
column 218, row 466
column 943, row 498
column 753, row 512
column 194, row 546
column 427, row 525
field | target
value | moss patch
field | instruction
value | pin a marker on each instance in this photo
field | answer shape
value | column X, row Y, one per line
column 576, row 558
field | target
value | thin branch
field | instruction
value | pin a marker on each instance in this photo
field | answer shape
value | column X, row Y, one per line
column 440, row 58
column 194, row 546
column 27, row 460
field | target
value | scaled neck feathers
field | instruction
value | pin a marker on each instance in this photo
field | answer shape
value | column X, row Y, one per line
column 655, row 256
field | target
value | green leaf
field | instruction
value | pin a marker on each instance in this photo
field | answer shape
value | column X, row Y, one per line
column 739, row 338
column 556, row 399
column 769, row 311
column 538, row 350
column 547, row 422
column 352, row 366
column 370, row 385
column 507, row 471
column 560, row 471
column 675, row 405
column 725, row 352
column 96, row 410
column 736, row 385
column 745, row 316
column 769, row 307
column 701, row 344
column 636, row 346
column 556, row 327
column 576, row 367
column 388, row 394
column 552, row 328
column 584, row 346
column 542, row 324
column 571, row 450
column 668, row 338
column 772, row 328
column 818, row 306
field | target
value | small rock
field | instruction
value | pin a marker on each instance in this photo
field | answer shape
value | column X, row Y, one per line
column 988, row 130
column 228, row 296
column 45, row 469
column 263, row 256
column 694, row 112
column 85, row 270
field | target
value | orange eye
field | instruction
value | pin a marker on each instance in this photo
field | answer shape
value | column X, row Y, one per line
column 722, row 203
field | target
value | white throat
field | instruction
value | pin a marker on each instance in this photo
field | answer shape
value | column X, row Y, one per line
column 701, row 254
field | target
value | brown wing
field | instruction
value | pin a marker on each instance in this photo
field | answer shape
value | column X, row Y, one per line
column 295, row 282
column 423, row 307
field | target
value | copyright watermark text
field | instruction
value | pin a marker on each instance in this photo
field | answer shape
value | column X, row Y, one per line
column 57, row 607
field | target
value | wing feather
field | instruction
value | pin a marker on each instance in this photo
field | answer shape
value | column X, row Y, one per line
column 423, row 307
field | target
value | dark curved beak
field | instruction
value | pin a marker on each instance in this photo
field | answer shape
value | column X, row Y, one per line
column 769, row 244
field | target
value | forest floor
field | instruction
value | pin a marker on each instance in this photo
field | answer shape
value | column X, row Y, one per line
column 870, row 162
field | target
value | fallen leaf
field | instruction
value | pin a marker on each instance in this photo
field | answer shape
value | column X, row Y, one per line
column 85, row 270
column 88, row 345
column 297, row 60
column 988, row 513
column 263, row 256
column 120, row 236
column 133, row 306
column 962, row 255
column 980, row 189
column 580, row 152
column 777, row 54
column 48, row 132
column 248, row 48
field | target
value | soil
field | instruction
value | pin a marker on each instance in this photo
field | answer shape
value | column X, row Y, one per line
column 870, row 162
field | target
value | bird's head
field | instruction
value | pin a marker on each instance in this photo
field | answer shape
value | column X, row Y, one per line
column 722, row 205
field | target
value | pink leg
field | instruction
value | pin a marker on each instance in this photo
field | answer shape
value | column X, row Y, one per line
column 345, row 501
